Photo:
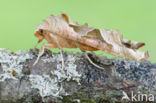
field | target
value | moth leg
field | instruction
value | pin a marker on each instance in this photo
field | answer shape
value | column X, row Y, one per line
column 42, row 51
column 60, row 48
column 61, row 53
column 93, row 62
column 88, row 57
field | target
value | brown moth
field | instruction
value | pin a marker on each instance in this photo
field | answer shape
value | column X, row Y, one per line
column 61, row 32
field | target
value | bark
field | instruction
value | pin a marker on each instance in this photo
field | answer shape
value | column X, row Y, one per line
column 78, row 82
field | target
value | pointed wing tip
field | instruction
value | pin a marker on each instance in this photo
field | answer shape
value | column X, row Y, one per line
column 139, row 45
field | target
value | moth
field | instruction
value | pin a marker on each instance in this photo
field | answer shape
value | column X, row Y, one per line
column 60, row 32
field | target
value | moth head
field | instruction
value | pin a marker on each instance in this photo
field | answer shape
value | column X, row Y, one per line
column 51, row 24
column 39, row 34
column 40, row 30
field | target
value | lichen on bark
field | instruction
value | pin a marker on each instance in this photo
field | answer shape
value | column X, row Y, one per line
column 79, row 82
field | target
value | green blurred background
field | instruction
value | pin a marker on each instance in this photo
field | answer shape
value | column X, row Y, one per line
column 135, row 19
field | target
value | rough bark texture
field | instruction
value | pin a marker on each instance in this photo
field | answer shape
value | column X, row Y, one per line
column 79, row 82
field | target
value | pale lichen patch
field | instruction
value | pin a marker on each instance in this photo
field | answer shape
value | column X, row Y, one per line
column 49, row 84
column 52, row 86
column 45, row 85
column 69, row 72
column 11, row 63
